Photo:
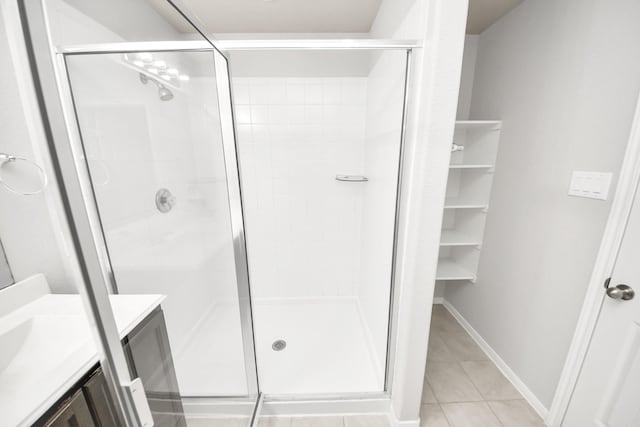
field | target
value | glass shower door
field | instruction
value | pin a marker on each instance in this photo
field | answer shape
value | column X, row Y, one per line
column 157, row 141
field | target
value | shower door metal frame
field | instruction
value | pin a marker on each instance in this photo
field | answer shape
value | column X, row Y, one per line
column 394, row 301
column 228, row 128
column 232, row 179
column 307, row 45
column 51, row 81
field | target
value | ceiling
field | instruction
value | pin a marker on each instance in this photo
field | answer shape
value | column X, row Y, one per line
column 484, row 13
column 309, row 16
column 281, row 16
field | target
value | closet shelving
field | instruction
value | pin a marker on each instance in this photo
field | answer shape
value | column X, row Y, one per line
column 467, row 203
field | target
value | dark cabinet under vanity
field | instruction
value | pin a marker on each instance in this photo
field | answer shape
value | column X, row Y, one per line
column 73, row 412
column 149, row 356
column 89, row 404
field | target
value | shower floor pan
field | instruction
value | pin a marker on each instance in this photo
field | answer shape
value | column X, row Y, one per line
column 327, row 350
column 327, row 347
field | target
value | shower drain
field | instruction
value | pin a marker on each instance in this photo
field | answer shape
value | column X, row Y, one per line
column 279, row 345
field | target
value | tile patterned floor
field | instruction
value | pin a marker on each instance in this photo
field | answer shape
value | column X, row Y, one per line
column 462, row 387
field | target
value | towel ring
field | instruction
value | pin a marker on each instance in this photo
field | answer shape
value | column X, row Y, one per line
column 6, row 159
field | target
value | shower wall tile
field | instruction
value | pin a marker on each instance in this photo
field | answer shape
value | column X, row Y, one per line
column 243, row 114
column 241, row 94
column 303, row 227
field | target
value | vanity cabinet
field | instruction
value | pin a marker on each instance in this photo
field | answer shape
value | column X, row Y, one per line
column 99, row 399
column 73, row 412
column 149, row 355
column 89, row 404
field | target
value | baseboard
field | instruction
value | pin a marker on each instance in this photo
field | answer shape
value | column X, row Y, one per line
column 397, row 423
column 528, row 395
column 412, row 423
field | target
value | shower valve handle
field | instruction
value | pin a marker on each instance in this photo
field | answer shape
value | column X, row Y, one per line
column 165, row 200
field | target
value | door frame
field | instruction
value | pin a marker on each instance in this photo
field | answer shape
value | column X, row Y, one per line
column 603, row 268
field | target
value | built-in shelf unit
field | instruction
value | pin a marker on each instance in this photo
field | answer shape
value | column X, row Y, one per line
column 473, row 158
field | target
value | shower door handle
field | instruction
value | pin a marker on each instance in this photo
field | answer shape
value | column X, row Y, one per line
column 352, row 178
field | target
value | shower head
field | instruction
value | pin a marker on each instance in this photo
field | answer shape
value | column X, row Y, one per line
column 164, row 93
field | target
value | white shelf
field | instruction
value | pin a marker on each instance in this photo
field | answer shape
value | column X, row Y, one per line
column 456, row 238
column 461, row 166
column 467, row 199
column 450, row 270
column 479, row 124
column 452, row 203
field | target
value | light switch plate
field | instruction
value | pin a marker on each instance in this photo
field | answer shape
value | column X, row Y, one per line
column 593, row 185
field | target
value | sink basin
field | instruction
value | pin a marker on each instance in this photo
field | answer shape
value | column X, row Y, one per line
column 36, row 346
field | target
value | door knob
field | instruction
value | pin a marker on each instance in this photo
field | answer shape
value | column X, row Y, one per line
column 622, row 292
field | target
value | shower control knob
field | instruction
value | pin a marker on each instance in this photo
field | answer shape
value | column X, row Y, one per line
column 165, row 200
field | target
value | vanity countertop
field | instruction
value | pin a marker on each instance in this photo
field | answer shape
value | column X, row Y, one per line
column 46, row 344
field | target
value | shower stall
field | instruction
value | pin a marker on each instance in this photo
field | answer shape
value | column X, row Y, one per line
column 256, row 185
column 319, row 142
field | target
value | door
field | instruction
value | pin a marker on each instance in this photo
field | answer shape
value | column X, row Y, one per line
column 608, row 389
column 157, row 145
column 142, row 141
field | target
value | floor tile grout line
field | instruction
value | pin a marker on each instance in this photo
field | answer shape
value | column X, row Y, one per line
column 445, row 415
column 466, row 375
column 502, row 375
column 484, row 400
column 495, row 415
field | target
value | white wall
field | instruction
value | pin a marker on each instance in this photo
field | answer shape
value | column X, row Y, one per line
column 109, row 22
column 468, row 76
column 26, row 228
column 315, row 63
column 32, row 228
column 303, row 226
column 439, row 25
column 564, row 78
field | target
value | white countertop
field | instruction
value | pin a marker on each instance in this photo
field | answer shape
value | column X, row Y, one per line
column 53, row 335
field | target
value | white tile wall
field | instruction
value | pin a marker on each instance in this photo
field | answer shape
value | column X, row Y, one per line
column 303, row 227
column 308, row 235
